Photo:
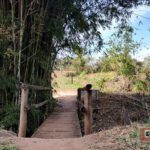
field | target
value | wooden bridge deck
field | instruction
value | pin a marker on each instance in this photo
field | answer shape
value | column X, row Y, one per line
column 63, row 123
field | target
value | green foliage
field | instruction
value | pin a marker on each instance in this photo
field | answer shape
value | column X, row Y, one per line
column 123, row 66
column 79, row 64
column 64, row 82
column 105, row 65
column 35, row 117
column 10, row 117
column 147, row 122
column 140, row 85
column 82, row 74
column 132, row 142
column 8, row 148
column 127, row 68
column 7, row 145
column 6, row 81
column 117, row 57
column 146, row 65
column 147, row 76
column 101, row 83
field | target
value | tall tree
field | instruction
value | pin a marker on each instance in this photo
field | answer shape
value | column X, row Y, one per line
column 118, row 55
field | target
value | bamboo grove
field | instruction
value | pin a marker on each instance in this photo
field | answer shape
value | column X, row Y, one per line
column 34, row 32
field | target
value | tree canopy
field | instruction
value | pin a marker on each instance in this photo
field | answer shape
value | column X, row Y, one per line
column 33, row 32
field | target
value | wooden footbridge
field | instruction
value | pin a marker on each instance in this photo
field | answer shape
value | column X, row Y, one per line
column 64, row 121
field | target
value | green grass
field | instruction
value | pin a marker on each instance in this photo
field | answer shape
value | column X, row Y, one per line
column 8, row 148
column 64, row 82
column 6, row 145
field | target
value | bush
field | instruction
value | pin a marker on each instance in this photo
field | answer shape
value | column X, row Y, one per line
column 140, row 85
column 101, row 83
column 127, row 69
column 147, row 76
column 105, row 65
column 10, row 117
column 82, row 74
column 35, row 118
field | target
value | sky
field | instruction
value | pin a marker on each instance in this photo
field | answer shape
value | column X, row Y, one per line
column 140, row 21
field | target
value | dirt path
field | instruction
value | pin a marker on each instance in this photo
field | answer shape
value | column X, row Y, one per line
column 50, row 144
column 104, row 140
column 63, row 123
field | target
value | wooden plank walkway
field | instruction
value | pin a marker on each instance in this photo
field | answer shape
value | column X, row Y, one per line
column 63, row 123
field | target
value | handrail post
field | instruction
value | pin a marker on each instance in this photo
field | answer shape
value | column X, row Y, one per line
column 79, row 94
column 23, row 111
column 87, row 113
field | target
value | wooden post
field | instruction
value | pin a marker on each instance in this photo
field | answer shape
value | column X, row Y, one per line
column 87, row 113
column 79, row 94
column 79, row 106
column 23, row 111
column 71, row 78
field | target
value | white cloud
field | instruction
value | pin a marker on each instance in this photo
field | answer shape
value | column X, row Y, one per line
column 142, row 9
column 143, row 53
column 138, row 12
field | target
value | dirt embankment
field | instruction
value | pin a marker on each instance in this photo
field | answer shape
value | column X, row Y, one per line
column 111, row 110
column 117, row 138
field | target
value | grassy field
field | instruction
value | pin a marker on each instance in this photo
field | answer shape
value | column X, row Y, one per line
column 63, row 81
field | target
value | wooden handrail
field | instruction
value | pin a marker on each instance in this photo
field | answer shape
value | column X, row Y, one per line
column 84, row 106
column 89, row 101
column 39, row 104
column 24, row 105
column 34, row 87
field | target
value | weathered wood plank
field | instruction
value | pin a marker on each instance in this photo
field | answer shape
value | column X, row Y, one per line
column 61, row 124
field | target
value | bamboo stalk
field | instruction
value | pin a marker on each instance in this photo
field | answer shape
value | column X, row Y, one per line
column 20, row 39
column 13, row 31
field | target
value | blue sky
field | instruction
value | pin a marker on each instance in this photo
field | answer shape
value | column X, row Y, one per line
column 142, row 30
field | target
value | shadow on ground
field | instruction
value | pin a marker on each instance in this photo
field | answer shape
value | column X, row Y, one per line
column 110, row 110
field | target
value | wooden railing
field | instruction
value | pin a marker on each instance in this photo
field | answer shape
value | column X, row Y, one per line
column 84, row 110
column 24, row 107
column 85, row 99
column 112, row 108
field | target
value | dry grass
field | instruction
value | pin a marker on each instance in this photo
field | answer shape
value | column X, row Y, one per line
column 61, row 81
